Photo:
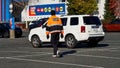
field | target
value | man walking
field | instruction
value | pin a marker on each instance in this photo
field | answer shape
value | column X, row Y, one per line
column 55, row 28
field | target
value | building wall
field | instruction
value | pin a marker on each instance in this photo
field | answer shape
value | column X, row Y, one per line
column 4, row 10
column 0, row 10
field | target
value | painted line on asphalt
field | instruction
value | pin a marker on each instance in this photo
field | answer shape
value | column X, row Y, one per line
column 107, row 49
column 32, row 55
column 105, row 57
column 77, row 51
column 47, row 53
column 2, row 57
column 17, row 51
column 41, row 61
column 38, row 53
column 22, row 52
column 114, row 48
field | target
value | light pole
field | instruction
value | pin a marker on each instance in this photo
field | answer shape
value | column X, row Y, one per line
column 11, row 8
column 12, row 24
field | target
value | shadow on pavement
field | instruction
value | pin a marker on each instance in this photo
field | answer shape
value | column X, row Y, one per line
column 87, row 46
column 67, row 52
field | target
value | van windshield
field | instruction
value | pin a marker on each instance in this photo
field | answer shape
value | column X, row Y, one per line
column 88, row 20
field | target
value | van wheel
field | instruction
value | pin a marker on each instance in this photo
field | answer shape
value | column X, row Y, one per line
column 6, row 34
column 70, row 41
column 36, row 42
column 92, row 44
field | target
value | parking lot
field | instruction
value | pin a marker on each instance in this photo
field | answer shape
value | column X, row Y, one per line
column 19, row 53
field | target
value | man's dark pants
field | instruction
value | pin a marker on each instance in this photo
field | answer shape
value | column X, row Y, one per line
column 55, row 42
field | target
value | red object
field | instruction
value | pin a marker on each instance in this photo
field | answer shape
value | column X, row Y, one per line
column 111, row 27
column 83, row 29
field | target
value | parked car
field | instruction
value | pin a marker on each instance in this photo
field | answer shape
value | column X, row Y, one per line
column 114, row 26
column 77, row 28
column 5, row 30
column 37, row 23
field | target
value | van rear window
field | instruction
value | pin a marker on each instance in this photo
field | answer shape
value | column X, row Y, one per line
column 88, row 20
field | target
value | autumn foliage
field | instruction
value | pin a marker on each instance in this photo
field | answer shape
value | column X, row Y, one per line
column 114, row 6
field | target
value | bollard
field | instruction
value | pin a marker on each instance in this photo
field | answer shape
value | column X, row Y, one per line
column 12, row 34
column 12, row 30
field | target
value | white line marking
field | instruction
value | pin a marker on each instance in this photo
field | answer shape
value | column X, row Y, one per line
column 17, row 51
column 107, row 49
column 32, row 55
column 24, row 52
column 2, row 57
column 41, row 61
column 84, row 50
column 115, row 58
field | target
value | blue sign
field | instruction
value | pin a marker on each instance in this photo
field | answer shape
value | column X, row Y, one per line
column 12, row 23
column 46, row 9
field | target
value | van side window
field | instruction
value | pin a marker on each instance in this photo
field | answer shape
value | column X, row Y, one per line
column 74, row 21
column 64, row 21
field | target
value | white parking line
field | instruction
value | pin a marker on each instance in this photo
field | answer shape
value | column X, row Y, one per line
column 17, row 51
column 46, row 53
column 107, row 49
column 24, row 52
column 105, row 57
column 2, row 57
column 41, row 61
column 42, row 54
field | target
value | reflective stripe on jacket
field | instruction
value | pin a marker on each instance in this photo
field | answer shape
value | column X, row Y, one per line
column 54, row 25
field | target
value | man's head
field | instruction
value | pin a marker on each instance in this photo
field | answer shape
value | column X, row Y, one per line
column 52, row 12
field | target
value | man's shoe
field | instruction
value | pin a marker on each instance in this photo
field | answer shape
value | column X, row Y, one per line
column 58, row 52
column 56, row 56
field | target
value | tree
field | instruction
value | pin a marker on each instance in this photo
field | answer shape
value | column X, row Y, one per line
column 18, row 6
column 81, row 6
column 114, row 6
column 109, row 15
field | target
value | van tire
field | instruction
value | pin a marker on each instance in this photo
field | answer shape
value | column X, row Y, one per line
column 70, row 41
column 36, row 43
column 6, row 34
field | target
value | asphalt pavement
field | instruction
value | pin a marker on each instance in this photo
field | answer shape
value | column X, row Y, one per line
column 19, row 53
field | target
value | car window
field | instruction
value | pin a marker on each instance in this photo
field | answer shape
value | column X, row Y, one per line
column 33, row 22
column 42, row 21
column 64, row 21
column 74, row 21
column 88, row 20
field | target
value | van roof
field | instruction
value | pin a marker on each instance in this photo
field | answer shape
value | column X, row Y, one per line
column 76, row 15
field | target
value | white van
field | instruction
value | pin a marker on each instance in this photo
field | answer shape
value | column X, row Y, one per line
column 77, row 28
